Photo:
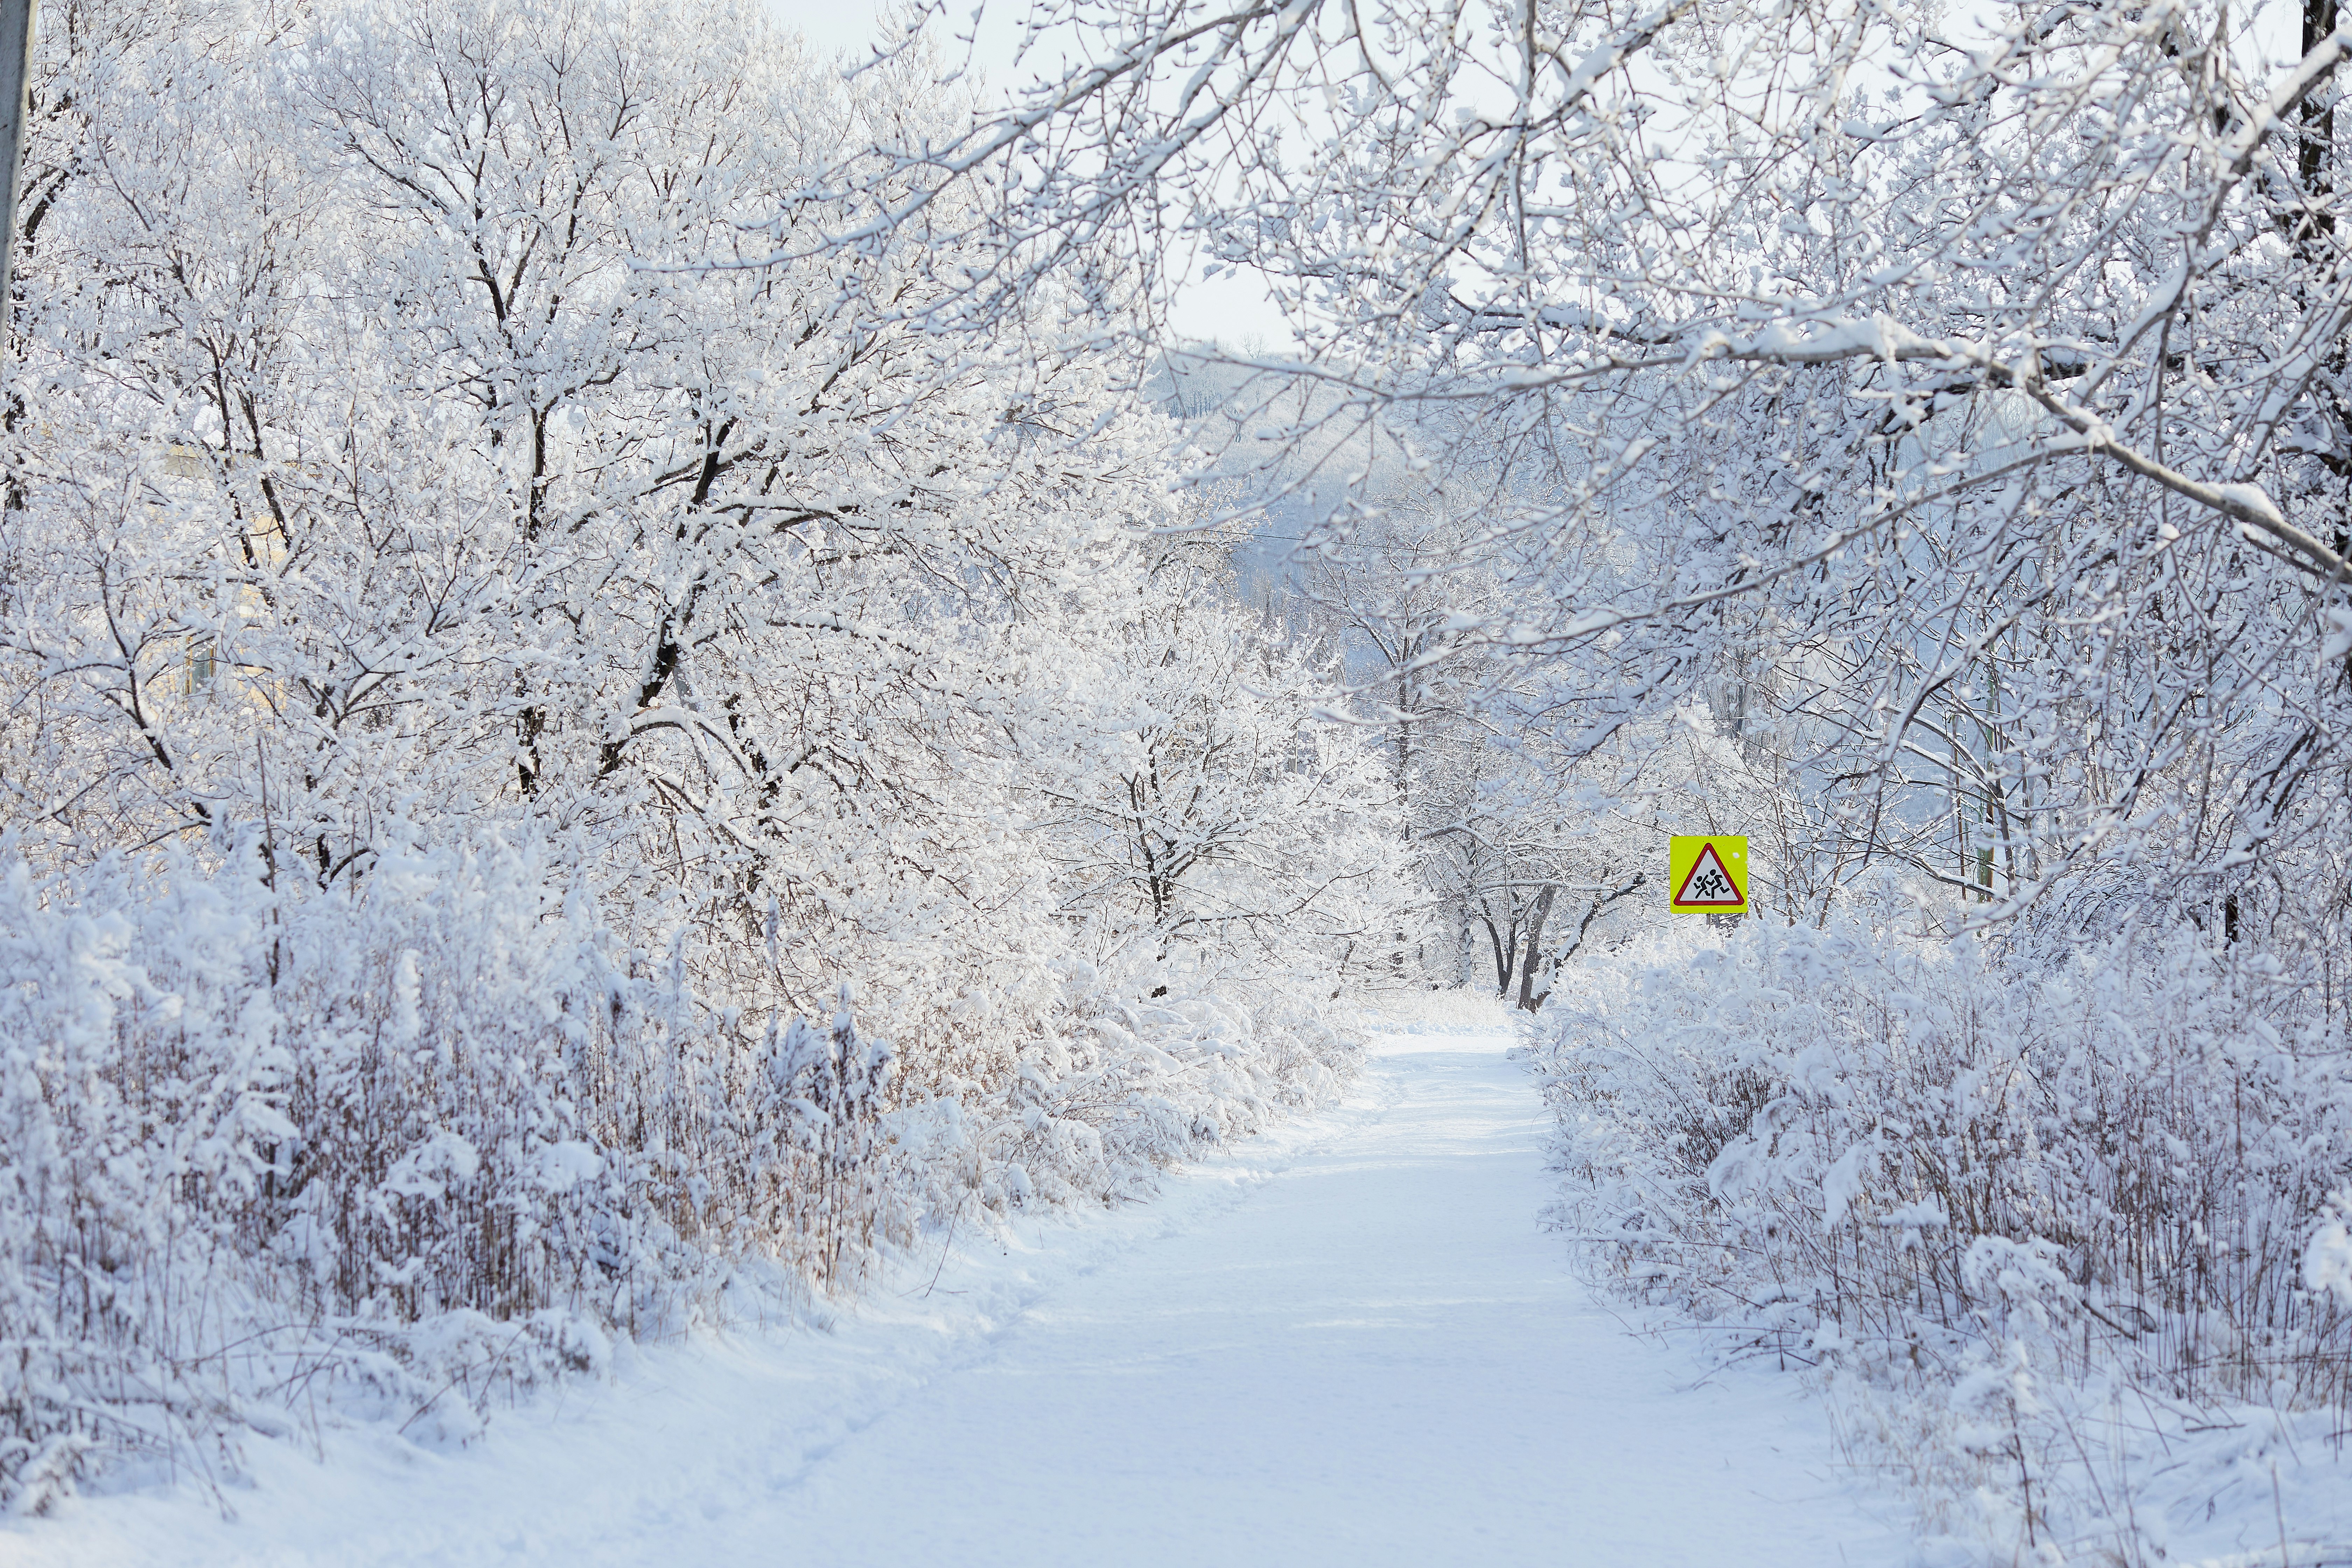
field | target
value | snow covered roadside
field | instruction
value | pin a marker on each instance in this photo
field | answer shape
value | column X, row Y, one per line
column 2067, row 1333
column 1347, row 1341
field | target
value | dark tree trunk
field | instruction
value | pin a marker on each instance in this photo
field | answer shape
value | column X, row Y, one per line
column 1528, row 1001
column 1505, row 946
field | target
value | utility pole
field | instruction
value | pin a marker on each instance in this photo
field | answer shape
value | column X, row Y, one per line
column 16, row 86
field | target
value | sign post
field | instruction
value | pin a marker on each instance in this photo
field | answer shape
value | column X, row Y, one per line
column 15, row 82
column 1707, row 874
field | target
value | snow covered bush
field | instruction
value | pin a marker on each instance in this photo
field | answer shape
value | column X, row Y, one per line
column 404, row 1143
column 1974, row 1169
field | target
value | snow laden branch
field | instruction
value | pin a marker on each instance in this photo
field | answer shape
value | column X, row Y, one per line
column 1824, row 343
column 1967, row 391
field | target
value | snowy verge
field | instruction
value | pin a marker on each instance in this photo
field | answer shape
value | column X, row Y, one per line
column 2040, row 1230
column 397, row 1155
column 741, row 1410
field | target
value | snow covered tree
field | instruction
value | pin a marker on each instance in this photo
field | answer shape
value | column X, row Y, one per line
column 1242, row 811
column 1960, row 384
column 493, row 660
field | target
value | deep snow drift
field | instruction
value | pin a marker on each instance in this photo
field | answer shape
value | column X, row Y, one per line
column 1347, row 1341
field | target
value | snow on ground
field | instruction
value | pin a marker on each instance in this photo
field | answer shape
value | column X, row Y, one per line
column 1347, row 1342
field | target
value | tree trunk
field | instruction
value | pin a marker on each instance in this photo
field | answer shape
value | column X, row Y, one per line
column 1505, row 946
column 1528, row 1001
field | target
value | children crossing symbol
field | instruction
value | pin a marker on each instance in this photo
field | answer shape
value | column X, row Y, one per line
column 1709, row 874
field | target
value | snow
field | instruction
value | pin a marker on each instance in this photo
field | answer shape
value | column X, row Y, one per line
column 2252, row 502
column 1348, row 1340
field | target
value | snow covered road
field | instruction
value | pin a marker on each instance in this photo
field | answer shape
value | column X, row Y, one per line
column 1347, row 1343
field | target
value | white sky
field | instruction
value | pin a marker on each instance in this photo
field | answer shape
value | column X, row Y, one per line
column 1231, row 308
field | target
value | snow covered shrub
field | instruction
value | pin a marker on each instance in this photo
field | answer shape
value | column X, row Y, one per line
column 1903, row 1147
column 253, row 1144
column 818, row 1136
column 1091, row 1117
column 90, row 1228
column 2328, row 1264
column 1945, row 1168
column 440, row 1133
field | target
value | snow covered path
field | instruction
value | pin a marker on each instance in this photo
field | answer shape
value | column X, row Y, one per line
column 1347, row 1343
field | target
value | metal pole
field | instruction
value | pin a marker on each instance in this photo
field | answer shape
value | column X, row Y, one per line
column 16, row 84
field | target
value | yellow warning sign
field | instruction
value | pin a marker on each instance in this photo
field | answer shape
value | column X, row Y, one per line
column 1707, row 874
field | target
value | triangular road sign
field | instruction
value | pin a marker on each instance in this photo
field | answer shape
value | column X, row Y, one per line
column 1708, row 885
